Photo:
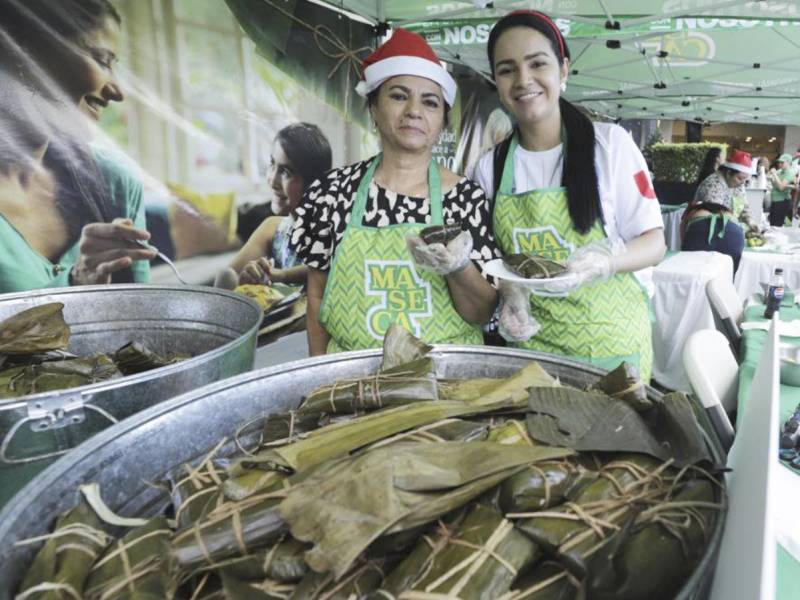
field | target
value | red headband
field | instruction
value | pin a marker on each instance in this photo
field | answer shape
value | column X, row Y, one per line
column 549, row 21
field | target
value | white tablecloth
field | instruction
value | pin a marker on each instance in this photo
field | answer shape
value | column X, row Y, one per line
column 672, row 228
column 681, row 308
column 757, row 267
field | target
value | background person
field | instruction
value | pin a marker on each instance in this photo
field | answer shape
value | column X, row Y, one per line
column 783, row 180
column 711, row 163
column 352, row 226
column 574, row 191
column 68, row 213
column 300, row 155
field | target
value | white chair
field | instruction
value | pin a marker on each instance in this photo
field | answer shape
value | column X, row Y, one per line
column 727, row 309
column 714, row 376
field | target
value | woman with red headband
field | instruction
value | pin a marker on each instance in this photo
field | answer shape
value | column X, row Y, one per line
column 357, row 229
column 569, row 189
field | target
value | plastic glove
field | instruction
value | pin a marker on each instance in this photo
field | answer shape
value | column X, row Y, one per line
column 439, row 258
column 589, row 264
column 515, row 322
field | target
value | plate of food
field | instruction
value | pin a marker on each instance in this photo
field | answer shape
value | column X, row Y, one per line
column 531, row 270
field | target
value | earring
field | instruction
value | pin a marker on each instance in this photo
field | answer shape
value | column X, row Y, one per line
column 563, row 86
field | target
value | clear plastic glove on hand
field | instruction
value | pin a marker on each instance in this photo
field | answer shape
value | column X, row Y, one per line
column 515, row 322
column 439, row 258
column 589, row 264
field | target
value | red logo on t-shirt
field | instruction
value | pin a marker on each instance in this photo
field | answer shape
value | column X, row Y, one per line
column 645, row 187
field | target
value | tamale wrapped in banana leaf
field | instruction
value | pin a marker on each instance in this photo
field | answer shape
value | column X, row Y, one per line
column 135, row 358
column 243, row 589
column 362, row 579
column 232, row 528
column 136, row 567
column 440, row 234
column 540, row 486
column 481, row 560
column 509, row 433
column 512, row 389
column 660, row 550
column 403, row 384
column 62, row 565
column 345, row 505
column 624, row 383
column 547, row 581
column 196, row 491
column 282, row 562
column 56, row 375
column 400, row 347
column 533, row 266
column 448, row 430
column 36, row 329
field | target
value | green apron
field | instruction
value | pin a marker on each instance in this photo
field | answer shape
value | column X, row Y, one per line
column 602, row 324
column 374, row 282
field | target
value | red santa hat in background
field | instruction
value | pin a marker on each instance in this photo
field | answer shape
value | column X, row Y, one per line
column 739, row 160
column 405, row 53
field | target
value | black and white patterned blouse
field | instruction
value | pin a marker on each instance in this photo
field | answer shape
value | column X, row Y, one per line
column 325, row 209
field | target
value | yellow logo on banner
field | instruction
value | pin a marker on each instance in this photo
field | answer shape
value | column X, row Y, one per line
column 404, row 296
column 545, row 241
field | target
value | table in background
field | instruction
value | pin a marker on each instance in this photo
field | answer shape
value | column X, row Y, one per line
column 681, row 307
column 672, row 214
column 788, row 568
column 756, row 266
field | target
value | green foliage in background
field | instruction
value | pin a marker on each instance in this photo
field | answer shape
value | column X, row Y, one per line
column 681, row 162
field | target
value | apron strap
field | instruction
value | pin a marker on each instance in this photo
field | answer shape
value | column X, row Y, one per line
column 434, row 193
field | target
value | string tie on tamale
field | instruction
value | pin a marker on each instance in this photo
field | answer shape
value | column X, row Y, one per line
column 48, row 586
column 96, row 536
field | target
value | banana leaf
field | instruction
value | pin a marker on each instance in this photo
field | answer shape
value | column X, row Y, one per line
column 661, row 549
column 62, row 565
column 624, row 383
column 448, row 430
column 400, row 385
column 440, row 234
column 533, row 266
column 56, row 375
column 136, row 567
column 362, row 579
column 282, row 563
column 400, row 346
column 197, row 492
column 241, row 589
column 481, row 560
column 135, row 358
column 509, row 433
column 547, row 581
column 232, row 528
column 36, row 329
column 512, row 389
column 344, row 505
column 590, row 421
column 541, row 486
column 285, row 427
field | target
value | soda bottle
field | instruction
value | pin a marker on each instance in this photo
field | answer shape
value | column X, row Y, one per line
column 774, row 294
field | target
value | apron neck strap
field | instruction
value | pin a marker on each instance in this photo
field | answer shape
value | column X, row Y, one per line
column 434, row 192
column 507, row 179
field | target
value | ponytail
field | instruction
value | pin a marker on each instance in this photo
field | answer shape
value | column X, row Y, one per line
column 579, row 174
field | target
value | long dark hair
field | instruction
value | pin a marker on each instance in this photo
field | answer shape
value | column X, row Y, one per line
column 579, row 175
column 307, row 149
column 709, row 164
column 31, row 31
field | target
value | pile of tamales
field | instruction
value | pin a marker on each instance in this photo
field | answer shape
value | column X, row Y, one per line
column 33, row 356
column 402, row 485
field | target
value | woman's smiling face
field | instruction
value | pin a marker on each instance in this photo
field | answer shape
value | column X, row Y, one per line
column 287, row 186
column 527, row 74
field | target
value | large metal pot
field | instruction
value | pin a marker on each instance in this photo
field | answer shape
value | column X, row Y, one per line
column 216, row 327
column 143, row 448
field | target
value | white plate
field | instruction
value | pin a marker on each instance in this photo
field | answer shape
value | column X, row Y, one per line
column 496, row 268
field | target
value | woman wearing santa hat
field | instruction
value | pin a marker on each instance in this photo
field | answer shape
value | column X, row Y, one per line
column 711, row 221
column 572, row 190
column 358, row 228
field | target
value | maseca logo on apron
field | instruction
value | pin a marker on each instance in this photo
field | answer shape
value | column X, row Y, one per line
column 404, row 296
column 545, row 241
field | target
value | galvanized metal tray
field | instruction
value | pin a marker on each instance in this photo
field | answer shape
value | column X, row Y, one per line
column 141, row 449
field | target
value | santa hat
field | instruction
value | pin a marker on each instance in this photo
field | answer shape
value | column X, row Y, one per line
column 739, row 161
column 405, row 53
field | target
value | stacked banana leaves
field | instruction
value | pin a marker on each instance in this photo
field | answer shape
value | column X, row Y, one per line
column 488, row 488
column 33, row 356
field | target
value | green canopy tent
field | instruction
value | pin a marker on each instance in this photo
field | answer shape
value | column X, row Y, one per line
column 697, row 60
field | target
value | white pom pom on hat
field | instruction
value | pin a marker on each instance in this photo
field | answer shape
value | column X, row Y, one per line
column 405, row 53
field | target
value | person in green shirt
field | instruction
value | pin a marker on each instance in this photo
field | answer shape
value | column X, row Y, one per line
column 69, row 214
column 783, row 180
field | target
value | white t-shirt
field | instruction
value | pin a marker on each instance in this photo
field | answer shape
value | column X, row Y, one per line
column 629, row 204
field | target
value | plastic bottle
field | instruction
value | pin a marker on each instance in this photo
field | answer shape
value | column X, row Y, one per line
column 774, row 294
